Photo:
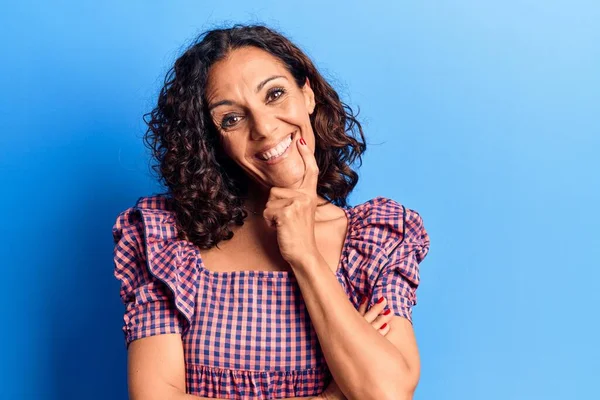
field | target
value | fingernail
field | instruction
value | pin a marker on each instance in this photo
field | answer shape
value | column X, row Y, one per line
column 380, row 301
column 383, row 326
column 386, row 312
column 302, row 142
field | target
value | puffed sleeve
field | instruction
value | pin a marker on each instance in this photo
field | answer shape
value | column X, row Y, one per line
column 149, row 306
column 406, row 244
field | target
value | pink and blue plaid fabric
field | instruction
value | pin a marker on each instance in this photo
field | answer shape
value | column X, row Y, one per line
column 247, row 334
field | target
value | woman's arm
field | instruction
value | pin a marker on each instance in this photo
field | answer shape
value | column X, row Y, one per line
column 156, row 369
column 363, row 363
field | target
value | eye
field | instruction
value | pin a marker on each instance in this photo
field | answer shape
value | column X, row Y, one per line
column 229, row 120
column 275, row 93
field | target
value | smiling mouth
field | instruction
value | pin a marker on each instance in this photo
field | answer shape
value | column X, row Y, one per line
column 278, row 150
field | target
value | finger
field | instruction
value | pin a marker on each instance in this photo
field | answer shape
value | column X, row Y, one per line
column 385, row 330
column 281, row 193
column 311, row 169
column 384, row 317
column 375, row 310
column 363, row 306
column 273, row 209
column 276, row 204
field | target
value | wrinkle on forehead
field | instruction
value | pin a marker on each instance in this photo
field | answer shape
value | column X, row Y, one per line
column 249, row 66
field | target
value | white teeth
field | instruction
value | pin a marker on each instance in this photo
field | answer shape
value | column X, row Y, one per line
column 277, row 150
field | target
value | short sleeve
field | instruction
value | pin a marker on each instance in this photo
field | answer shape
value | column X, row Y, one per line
column 149, row 307
column 406, row 245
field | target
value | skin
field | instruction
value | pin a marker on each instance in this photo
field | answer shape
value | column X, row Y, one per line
column 364, row 365
column 253, row 112
column 251, row 120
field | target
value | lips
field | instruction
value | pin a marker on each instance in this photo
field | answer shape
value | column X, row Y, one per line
column 277, row 148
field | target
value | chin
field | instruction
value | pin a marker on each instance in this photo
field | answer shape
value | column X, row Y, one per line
column 282, row 182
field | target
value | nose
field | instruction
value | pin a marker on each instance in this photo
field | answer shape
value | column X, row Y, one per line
column 264, row 125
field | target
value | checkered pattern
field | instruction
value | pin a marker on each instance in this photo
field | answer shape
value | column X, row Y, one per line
column 247, row 334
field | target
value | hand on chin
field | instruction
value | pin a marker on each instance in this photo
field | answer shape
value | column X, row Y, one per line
column 291, row 211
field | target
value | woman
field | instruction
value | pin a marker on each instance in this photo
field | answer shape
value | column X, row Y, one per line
column 245, row 279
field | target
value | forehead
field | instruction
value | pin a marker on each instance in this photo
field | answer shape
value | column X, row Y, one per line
column 245, row 66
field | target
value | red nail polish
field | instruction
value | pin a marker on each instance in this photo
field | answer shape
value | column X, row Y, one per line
column 380, row 301
column 386, row 312
column 302, row 142
column 383, row 326
column 364, row 300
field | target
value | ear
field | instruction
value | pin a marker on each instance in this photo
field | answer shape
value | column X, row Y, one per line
column 309, row 97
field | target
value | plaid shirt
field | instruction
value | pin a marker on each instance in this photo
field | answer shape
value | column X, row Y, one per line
column 247, row 334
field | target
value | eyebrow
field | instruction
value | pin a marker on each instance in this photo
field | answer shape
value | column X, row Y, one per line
column 258, row 88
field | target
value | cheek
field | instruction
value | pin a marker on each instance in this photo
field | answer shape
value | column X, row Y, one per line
column 226, row 146
column 233, row 149
column 296, row 108
column 296, row 112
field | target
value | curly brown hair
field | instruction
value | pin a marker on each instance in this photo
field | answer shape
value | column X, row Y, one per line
column 205, row 188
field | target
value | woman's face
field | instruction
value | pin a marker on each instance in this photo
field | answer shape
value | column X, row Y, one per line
column 260, row 113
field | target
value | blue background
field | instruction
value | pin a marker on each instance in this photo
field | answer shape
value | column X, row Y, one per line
column 482, row 116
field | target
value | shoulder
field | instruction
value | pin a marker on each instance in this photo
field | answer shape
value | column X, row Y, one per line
column 387, row 223
column 387, row 240
column 147, row 247
column 149, row 214
column 156, row 202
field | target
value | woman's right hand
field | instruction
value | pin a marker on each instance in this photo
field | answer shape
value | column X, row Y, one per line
column 378, row 318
